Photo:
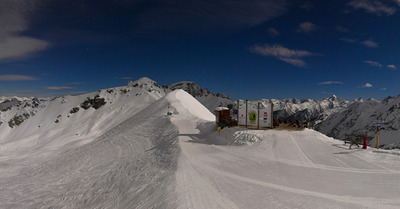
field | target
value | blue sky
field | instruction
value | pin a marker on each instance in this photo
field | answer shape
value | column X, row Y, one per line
column 249, row 49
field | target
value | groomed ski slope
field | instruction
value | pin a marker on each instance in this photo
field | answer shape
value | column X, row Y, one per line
column 157, row 161
column 285, row 169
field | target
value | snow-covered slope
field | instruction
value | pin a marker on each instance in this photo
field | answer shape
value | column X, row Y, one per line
column 359, row 117
column 36, row 130
column 313, row 111
column 203, row 95
column 279, row 169
column 4, row 98
column 130, row 166
column 158, row 160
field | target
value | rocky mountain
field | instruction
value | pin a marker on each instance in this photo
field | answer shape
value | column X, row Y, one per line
column 16, row 112
column 5, row 99
column 203, row 95
column 310, row 110
column 42, row 126
column 359, row 117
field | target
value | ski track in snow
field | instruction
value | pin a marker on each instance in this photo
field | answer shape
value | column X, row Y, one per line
column 130, row 166
column 297, row 173
column 156, row 161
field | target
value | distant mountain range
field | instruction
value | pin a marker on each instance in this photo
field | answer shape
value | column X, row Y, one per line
column 333, row 116
column 358, row 118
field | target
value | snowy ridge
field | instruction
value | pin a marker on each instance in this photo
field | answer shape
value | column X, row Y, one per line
column 158, row 160
column 359, row 117
column 4, row 98
column 313, row 111
column 203, row 95
column 43, row 128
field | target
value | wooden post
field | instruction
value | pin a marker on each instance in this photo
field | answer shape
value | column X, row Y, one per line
column 246, row 113
column 258, row 115
column 377, row 139
column 238, row 115
column 272, row 115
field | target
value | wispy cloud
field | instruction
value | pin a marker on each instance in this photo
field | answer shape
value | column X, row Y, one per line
column 369, row 43
column 273, row 32
column 325, row 92
column 290, row 56
column 367, row 85
column 379, row 65
column 14, row 19
column 126, row 78
column 373, row 63
column 306, row 27
column 330, row 82
column 393, row 67
column 59, row 87
column 373, row 7
column 383, row 89
column 348, row 40
column 16, row 78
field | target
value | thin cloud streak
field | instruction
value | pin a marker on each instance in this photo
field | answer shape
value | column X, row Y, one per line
column 306, row 27
column 373, row 7
column 330, row 82
column 284, row 54
column 393, row 67
column 367, row 85
column 59, row 87
column 273, row 32
column 16, row 78
column 373, row 63
column 369, row 43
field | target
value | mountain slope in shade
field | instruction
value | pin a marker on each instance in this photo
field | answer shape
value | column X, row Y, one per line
column 310, row 110
column 359, row 117
column 203, row 95
column 42, row 127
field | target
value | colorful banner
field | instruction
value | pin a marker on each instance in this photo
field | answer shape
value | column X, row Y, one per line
column 266, row 116
column 252, row 116
column 259, row 117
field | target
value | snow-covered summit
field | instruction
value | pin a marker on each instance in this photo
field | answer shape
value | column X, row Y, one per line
column 148, row 85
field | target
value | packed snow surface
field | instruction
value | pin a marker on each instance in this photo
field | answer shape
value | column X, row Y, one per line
column 155, row 160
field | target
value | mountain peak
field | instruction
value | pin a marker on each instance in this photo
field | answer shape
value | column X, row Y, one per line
column 141, row 81
column 192, row 88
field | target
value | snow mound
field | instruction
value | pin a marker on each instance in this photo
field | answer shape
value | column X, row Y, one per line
column 185, row 104
column 241, row 136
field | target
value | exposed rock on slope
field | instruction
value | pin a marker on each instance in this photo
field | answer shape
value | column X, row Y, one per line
column 203, row 95
column 359, row 117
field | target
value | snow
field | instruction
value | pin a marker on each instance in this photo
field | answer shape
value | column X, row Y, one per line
column 185, row 104
column 40, row 138
column 221, row 108
column 132, row 154
column 359, row 117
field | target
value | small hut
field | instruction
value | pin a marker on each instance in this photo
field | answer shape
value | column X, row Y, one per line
column 223, row 117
